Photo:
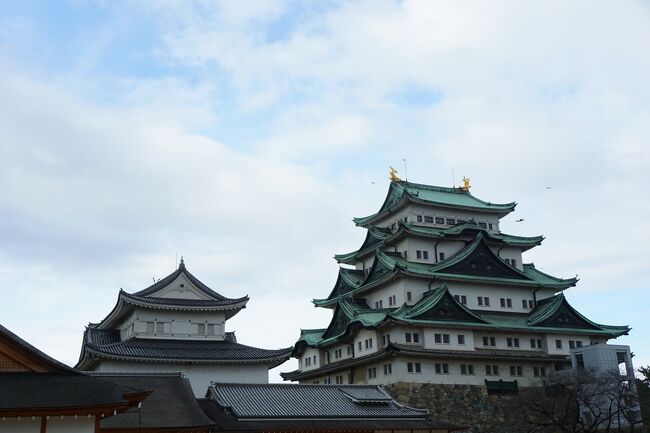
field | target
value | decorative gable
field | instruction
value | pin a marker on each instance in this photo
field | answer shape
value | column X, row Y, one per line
column 442, row 306
column 338, row 324
column 566, row 317
column 180, row 288
column 482, row 262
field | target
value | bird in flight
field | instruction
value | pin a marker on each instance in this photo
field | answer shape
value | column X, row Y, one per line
column 519, row 220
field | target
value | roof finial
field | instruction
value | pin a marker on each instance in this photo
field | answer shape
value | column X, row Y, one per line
column 466, row 185
column 392, row 175
column 181, row 265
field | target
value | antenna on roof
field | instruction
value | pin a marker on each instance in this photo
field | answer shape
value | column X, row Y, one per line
column 453, row 178
column 406, row 173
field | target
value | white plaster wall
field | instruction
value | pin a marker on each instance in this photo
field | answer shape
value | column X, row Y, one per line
column 344, row 352
column 310, row 352
column 412, row 210
column 178, row 324
column 429, row 339
column 22, row 425
column 68, row 424
column 495, row 293
column 361, row 336
column 199, row 375
column 428, row 375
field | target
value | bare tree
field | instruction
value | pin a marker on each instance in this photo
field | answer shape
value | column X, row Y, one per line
column 580, row 402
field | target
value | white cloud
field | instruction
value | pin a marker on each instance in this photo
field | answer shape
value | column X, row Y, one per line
column 527, row 96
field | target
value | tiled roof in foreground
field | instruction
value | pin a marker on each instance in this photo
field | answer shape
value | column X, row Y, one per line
column 171, row 405
column 268, row 401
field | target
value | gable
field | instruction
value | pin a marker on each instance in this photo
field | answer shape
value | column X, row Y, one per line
column 482, row 262
column 180, row 288
column 566, row 317
column 446, row 309
column 338, row 324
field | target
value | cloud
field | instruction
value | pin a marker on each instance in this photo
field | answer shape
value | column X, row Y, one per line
column 253, row 137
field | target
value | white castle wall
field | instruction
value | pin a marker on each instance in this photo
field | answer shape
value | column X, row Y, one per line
column 199, row 375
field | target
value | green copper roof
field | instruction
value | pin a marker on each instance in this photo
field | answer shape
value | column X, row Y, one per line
column 379, row 238
column 439, row 308
column 402, row 192
column 347, row 281
column 476, row 262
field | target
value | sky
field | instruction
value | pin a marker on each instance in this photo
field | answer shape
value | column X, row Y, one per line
column 245, row 136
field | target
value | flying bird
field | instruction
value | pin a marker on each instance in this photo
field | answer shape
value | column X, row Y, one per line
column 547, row 187
column 519, row 220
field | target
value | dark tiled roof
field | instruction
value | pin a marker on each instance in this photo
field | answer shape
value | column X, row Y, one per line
column 171, row 277
column 171, row 404
column 59, row 390
column 213, row 351
column 308, row 401
column 227, row 422
column 222, row 302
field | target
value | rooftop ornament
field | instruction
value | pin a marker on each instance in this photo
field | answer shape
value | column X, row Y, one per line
column 466, row 185
column 392, row 175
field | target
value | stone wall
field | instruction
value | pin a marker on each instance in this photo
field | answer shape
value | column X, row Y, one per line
column 466, row 405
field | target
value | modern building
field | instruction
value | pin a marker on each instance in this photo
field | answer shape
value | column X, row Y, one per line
column 177, row 324
column 40, row 394
column 438, row 294
column 313, row 408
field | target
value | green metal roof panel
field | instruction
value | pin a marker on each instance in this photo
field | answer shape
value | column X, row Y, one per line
column 401, row 192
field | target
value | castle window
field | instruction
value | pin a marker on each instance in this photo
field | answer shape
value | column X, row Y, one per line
column 516, row 370
column 535, row 343
column 349, row 350
column 408, row 296
column 572, row 344
column 467, row 369
column 512, row 342
column 479, row 299
column 524, row 303
column 441, row 255
column 441, row 368
column 419, row 217
column 386, row 339
column 150, row 327
column 160, row 327
column 210, row 328
column 388, row 369
column 425, row 255
column 428, row 219
column 440, row 220
column 408, row 338
column 489, row 341
column 372, row 373
column 451, row 221
column 558, row 344
column 200, row 328
column 441, row 338
column 483, row 300
column 414, row 367
column 461, row 339
column 339, row 380
column 360, row 346
column 491, row 370
column 482, row 225
column 539, row 371
column 490, row 226
column 503, row 302
column 418, row 254
column 392, row 300
column 405, row 254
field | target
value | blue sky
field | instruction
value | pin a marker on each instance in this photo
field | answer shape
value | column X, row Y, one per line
column 245, row 136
